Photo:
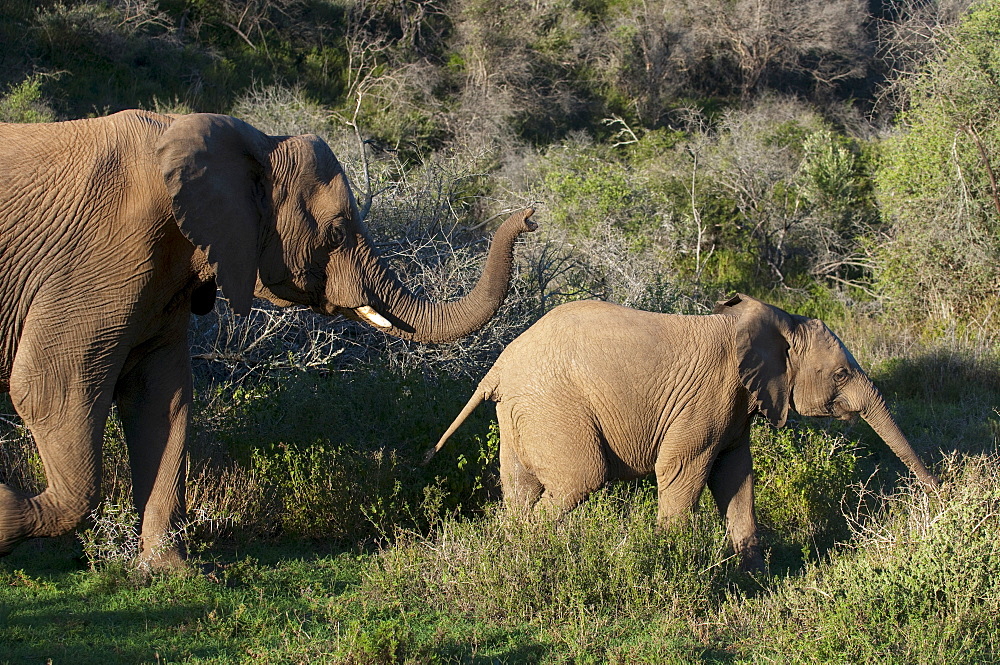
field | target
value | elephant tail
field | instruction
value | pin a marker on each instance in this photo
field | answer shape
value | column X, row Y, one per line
column 482, row 394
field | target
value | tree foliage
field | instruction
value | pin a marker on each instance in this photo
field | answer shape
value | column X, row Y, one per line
column 938, row 181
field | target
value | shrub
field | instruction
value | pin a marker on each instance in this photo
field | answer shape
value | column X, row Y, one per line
column 24, row 103
column 587, row 187
column 606, row 558
column 917, row 584
column 803, row 475
column 937, row 181
column 282, row 111
column 334, row 456
column 20, row 463
column 112, row 539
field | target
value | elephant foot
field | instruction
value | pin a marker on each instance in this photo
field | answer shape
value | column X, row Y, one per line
column 167, row 555
column 13, row 522
column 752, row 560
column 164, row 561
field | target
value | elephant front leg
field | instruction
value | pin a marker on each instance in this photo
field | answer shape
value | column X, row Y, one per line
column 731, row 484
column 153, row 399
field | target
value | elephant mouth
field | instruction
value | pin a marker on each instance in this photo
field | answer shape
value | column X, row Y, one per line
column 842, row 412
column 372, row 317
column 363, row 313
column 835, row 408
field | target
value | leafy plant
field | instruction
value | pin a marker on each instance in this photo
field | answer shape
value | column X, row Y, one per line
column 918, row 584
column 605, row 557
column 937, row 183
column 803, row 477
column 24, row 102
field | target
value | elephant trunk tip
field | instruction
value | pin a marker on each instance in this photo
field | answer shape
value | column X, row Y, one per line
column 521, row 221
column 930, row 483
column 429, row 455
column 876, row 413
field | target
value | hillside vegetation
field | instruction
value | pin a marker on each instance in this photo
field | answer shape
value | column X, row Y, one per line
column 836, row 158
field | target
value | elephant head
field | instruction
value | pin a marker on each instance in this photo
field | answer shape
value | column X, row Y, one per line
column 275, row 217
column 789, row 361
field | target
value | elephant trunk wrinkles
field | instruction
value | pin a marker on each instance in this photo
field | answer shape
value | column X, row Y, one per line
column 428, row 322
column 876, row 414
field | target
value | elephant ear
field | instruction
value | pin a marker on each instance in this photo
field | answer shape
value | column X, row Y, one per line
column 216, row 171
column 762, row 350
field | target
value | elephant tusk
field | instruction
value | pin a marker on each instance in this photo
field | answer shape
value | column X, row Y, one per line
column 373, row 317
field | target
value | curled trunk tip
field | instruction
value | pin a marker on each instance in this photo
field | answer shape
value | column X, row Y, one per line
column 523, row 219
column 436, row 322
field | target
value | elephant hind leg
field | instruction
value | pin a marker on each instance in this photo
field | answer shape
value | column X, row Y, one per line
column 555, row 503
column 65, row 412
column 64, row 504
column 14, row 523
column 574, row 466
column 565, row 459
column 521, row 489
column 51, row 513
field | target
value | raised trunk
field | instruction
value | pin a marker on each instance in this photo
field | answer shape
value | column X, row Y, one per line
column 424, row 321
column 876, row 414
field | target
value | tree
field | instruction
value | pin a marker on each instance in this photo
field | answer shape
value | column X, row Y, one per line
column 938, row 182
column 821, row 39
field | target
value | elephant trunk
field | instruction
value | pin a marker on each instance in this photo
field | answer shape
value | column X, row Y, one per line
column 428, row 322
column 876, row 413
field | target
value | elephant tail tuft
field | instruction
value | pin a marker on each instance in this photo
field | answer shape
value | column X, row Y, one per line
column 482, row 393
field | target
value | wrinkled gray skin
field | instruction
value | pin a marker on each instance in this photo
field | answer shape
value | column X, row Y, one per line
column 113, row 230
column 595, row 392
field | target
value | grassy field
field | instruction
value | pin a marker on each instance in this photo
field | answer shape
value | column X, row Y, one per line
column 848, row 180
column 352, row 553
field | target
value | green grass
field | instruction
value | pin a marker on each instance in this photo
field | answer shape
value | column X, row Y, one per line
column 317, row 538
column 300, row 605
column 337, row 456
column 101, row 58
column 864, row 567
column 251, row 609
column 916, row 584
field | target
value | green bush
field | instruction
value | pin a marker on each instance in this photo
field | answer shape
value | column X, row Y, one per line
column 606, row 558
column 803, row 475
column 587, row 185
column 24, row 103
column 937, row 181
column 918, row 584
column 336, row 456
column 115, row 55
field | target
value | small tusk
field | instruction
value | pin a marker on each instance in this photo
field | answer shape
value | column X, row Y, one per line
column 373, row 317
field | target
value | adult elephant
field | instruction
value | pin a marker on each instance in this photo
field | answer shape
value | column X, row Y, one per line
column 113, row 230
column 595, row 392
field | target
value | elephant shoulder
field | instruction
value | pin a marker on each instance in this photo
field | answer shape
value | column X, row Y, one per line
column 147, row 126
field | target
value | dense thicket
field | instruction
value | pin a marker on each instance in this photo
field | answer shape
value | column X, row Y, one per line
column 733, row 144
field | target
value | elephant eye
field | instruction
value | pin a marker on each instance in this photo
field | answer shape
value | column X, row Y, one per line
column 841, row 374
column 334, row 236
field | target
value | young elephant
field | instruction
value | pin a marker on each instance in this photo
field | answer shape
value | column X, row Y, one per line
column 595, row 392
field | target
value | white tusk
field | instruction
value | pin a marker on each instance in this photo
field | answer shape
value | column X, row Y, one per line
column 373, row 317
